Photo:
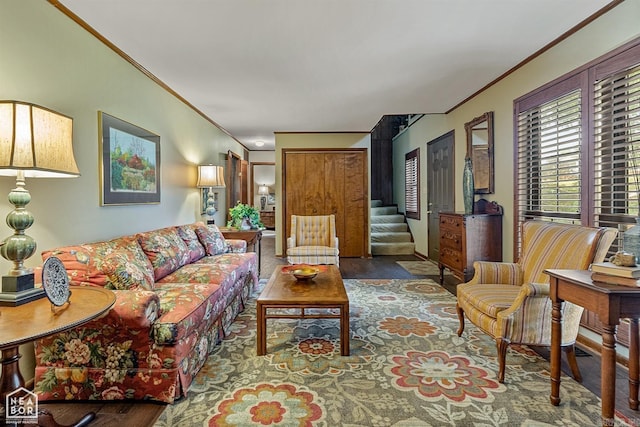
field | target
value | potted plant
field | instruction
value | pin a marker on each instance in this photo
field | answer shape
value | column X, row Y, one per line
column 244, row 217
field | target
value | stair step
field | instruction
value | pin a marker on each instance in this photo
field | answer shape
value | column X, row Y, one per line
column 392, row 227
column 390, row 237
column 384, row 210
column 392, row 248
column 386, row 219
column 376, row 203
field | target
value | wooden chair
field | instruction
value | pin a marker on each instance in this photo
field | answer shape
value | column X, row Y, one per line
column 313, row 240
column 509, row 301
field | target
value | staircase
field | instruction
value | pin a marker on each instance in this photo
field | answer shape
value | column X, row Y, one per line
column 389, row 232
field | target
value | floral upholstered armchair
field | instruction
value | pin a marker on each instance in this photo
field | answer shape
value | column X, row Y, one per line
column 313, row 240
column 510, row 301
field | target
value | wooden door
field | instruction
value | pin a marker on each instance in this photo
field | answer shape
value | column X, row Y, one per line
column 321, row 182
column 313, row 184
column 244, row 182
column 440, row 187
column 237, row 180
column 356, row 230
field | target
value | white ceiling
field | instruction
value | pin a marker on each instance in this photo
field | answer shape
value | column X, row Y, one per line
column 260, row 66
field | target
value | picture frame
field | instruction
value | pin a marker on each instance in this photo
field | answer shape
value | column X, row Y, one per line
column 129, row 163
column 271, row 199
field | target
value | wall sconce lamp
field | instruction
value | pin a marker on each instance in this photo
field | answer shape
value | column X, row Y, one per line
column 35, row 142
column 210, row 177
column 263, row 191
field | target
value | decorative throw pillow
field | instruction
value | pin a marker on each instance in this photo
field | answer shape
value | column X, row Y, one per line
column 194, row 247
column 212, row 239
column 165, row 249
column 128, row 268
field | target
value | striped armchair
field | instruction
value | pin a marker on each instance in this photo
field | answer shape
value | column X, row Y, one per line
column 313, row 240
column 509, row 301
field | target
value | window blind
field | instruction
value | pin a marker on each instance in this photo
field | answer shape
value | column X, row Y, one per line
column 578, row 146
column 617, row 147
column 412, row 184
column 549, row 160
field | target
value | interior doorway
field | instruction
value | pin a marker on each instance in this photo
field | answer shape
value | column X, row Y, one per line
column 237, row 180
column 440, row 187
column 263, row 191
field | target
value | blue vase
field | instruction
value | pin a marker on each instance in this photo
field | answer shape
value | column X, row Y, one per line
column 468, row 188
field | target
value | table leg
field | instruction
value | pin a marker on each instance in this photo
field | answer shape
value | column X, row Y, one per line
column 634, row 364
column 344, row 330
column 261, row 330
column 11, row 378
column 608, row 374
column 259, row 255
column 556, row 340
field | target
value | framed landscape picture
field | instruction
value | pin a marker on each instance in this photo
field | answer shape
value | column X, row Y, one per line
column 130, row 163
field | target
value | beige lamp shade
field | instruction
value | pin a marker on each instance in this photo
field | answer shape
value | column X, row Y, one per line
column 36, row 141
column 263, row 190
column 210, row 176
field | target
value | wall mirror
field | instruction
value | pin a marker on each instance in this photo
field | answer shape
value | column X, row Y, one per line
column 480, row 150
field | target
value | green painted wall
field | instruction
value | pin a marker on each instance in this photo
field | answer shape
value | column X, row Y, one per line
column 49, row 60
column 611, row 30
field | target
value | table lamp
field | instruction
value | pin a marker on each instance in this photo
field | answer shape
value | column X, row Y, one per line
column 263, row 191
column 210, row 177
column 35, row 142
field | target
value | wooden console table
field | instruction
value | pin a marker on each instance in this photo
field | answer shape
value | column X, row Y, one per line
column 34, row 320
column 611, row 303
column 252, row 237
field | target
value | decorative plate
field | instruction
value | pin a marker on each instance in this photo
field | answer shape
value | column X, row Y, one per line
column 55, row 281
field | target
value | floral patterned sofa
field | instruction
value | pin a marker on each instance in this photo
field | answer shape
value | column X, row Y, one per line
column 178, row 289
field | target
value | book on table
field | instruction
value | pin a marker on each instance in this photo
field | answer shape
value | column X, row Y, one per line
column 610, row 279
column 616, row 270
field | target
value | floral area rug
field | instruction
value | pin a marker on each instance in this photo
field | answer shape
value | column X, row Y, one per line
column 421, row 268
column 407, row 367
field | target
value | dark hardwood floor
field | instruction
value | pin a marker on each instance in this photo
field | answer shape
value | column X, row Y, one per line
column 112, row 414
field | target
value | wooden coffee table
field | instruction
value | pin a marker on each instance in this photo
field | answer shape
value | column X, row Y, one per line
column 283, row 291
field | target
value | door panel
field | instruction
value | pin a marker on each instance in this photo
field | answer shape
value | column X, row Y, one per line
column 294, row 183
column 440, row 187
column 313, row 184
column 322, row 182
column 233, row 180
column 354, row 201
column 334, row 170
column 244, row 182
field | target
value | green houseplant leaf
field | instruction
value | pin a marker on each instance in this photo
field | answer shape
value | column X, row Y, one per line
column 241, row 211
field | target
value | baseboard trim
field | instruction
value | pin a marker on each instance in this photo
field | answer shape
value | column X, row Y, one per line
column 596, row 348
column 421, row 256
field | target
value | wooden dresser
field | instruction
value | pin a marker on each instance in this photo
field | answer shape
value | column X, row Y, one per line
column 465, row 238
column 268, row 219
